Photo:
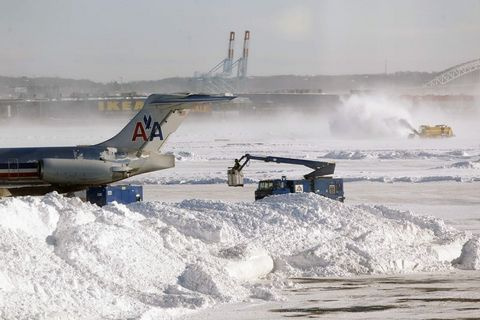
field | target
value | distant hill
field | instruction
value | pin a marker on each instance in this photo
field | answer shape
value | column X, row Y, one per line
column 45, row 87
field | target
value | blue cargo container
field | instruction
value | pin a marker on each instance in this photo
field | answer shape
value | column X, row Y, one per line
column 328, row 187
column 104, row 195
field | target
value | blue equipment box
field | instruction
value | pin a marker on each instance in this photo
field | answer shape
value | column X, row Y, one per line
column 328, row 187
column 124, row 194
column 331, row 188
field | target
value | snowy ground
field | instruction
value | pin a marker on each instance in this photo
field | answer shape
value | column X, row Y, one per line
column 404, row 244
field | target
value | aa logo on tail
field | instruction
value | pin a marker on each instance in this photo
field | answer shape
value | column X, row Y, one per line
column 141, row 129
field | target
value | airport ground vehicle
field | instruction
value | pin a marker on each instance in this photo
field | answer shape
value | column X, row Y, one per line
column 437, row 131
column 317, row 181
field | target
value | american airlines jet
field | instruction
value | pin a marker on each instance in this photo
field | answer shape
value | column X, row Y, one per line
column 134, row 150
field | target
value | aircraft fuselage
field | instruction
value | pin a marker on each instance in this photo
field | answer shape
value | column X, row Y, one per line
column 20, row 166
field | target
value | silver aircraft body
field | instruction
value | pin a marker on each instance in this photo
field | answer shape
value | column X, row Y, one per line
column 134, row 150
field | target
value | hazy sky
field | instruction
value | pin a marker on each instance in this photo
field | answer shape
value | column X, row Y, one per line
column 147, row 39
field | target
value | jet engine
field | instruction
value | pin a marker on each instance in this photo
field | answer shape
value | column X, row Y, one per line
column 81, row 171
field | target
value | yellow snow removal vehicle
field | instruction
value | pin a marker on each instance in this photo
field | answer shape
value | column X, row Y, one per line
column 437, row 131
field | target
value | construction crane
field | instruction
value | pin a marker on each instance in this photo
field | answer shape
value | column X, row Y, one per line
column 318, row 181
column 221, row 78
column 243, row 61
column 227, row 63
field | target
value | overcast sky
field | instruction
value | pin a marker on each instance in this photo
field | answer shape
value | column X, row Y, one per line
column 107, row 40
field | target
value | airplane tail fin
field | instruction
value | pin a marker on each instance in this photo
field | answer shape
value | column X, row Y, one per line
column 160, row 116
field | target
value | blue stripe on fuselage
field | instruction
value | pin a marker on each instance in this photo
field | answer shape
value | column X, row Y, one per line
column 27, row 155
column 28, row 165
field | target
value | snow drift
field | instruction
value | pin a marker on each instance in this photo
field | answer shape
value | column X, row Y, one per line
column 64, row 258
column 398, row 154
column 470, row 257
column 219, row 178
column 379, row 165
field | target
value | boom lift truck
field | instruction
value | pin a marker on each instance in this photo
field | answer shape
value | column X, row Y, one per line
column 318, row 181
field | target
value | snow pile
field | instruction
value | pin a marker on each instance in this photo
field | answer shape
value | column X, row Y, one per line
column 459, row 153
column 115, row 263
column 465, row 165
column 183, row 155
column 158, row 178
column 347, row 155
column 311, row 236
column 155, row 178
column 470, row 257
column 65, row 258
column 413, row 179
column 215, row 177
column 396, row 154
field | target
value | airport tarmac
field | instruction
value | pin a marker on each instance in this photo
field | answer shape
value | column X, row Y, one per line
column 449, row 295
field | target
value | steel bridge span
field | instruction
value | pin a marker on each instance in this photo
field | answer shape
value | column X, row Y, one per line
column 453, row 73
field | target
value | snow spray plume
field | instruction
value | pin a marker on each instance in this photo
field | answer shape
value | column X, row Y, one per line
column 370, row 117
column 406, row 124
